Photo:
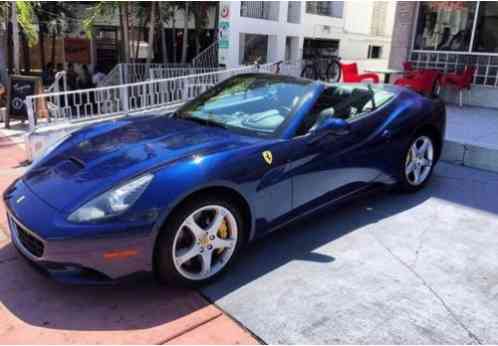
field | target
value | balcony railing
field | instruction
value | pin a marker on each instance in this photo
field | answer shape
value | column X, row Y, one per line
column 325, row 8
column 260, row 9
column 294, row 12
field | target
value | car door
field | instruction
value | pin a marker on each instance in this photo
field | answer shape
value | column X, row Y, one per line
column 336, row 166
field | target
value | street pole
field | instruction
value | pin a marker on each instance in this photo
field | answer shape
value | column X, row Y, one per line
column 15, row 37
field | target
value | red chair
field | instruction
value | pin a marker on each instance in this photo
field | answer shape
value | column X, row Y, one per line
column 424, row 82
column 350, row 74
column 408, row 70
column 460, row 82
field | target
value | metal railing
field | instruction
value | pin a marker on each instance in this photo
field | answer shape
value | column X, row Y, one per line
column 260, row 9
column 126, row 73
column 98, row 103
column 486, row 73
column 59, row 80
column 162, row 73
column 208, row 57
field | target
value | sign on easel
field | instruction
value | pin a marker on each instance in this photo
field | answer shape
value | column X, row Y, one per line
column 19, row 88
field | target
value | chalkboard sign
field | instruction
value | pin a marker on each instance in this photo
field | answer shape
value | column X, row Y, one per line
column 19, row 88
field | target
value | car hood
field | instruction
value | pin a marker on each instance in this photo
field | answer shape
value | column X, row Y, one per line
column 98, row 157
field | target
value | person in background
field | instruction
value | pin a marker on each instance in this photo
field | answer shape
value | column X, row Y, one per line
column 48, row 74
column 85, row 78
column 72, row 77
column 98, row 75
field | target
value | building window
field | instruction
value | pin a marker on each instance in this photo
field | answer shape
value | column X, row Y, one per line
column 253, row 48
column 260, row 9
column 325, row 8
column 444, row 25
column 486, row 36
column 374, row 52
column 294, row 12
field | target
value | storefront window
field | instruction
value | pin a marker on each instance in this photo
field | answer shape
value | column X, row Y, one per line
column 486, row 37
column 445, row 25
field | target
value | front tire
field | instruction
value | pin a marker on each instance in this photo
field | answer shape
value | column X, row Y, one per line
column 418, row 163
column 199, row 242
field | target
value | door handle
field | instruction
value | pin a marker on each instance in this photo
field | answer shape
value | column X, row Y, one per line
column 386, row 134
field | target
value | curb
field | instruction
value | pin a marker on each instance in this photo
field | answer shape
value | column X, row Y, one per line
column 470, row 155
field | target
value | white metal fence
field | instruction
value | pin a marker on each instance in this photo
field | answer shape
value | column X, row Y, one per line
column 208, row 57
column 135, row 73
column 83, row 105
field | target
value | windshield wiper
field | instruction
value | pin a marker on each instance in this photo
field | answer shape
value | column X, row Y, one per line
column 207, row 122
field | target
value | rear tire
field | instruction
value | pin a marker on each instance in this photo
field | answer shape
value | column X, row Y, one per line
column 334, row 72
column 199, row 242
column 418, row 162
column 309, row 72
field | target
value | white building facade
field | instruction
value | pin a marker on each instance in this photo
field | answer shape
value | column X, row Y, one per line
column 289, row 30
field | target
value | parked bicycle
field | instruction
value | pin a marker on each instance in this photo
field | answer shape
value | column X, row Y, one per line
column 322, row 68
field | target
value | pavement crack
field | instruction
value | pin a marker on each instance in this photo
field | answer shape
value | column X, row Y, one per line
column 421, row 241
column 432, row 290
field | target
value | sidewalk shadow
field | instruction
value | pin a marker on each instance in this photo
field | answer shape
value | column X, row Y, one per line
column 39, row 301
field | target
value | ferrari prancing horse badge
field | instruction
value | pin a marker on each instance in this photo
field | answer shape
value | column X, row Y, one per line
column 267, row 156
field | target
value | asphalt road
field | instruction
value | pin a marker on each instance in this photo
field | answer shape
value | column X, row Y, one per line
column 410, row 269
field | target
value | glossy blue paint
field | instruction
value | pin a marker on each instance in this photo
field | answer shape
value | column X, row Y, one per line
column 186, row 157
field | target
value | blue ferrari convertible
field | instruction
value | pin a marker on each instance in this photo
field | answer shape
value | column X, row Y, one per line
column 178, row 195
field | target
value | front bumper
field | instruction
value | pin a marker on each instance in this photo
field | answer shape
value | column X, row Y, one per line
column 71, row 256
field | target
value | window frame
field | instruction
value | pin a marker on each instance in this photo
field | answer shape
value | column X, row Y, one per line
column 470, row 50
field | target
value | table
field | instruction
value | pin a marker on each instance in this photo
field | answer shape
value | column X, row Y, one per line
column 387, row 72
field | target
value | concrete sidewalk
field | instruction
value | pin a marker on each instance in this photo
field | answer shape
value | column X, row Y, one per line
column 388, row 269
column 36, row 310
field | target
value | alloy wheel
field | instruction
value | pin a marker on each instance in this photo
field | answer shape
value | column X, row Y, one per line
column 205, row 242
column 419, row 161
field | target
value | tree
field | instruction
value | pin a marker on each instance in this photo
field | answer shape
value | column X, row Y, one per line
column 152, row 25
column 186, row 13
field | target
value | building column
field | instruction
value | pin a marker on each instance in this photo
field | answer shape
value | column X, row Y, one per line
column 402, row 33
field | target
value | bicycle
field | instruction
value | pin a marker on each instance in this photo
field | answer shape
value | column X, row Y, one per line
column 315, row 66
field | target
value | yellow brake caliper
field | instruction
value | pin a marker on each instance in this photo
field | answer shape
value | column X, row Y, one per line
column 222, row 233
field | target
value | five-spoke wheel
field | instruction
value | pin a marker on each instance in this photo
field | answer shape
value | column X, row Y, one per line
column 418, row 162
column 199, row 242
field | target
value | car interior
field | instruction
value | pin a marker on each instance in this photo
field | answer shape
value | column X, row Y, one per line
column 345, row 102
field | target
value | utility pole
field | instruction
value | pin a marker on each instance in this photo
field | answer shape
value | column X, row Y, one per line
column 15, row 37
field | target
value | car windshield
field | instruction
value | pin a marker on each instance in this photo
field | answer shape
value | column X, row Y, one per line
column 257, row 103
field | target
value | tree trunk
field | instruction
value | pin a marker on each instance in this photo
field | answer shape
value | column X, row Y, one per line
column 15, row 38
column 185, row 33
column 125, row 38
column 9, row 46
column 152, row 26
column 164, row 50
column 173, row 31
column 54, row 39
column 41, row 44
column 26, row 59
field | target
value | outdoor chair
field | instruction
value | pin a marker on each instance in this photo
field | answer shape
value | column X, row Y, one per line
column 425, row 82
column 460, row 81
column 350, row 74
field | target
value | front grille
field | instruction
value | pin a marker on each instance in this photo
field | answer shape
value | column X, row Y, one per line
column 30, row 243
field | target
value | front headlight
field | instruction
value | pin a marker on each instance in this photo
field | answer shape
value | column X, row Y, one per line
column 112, row 202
